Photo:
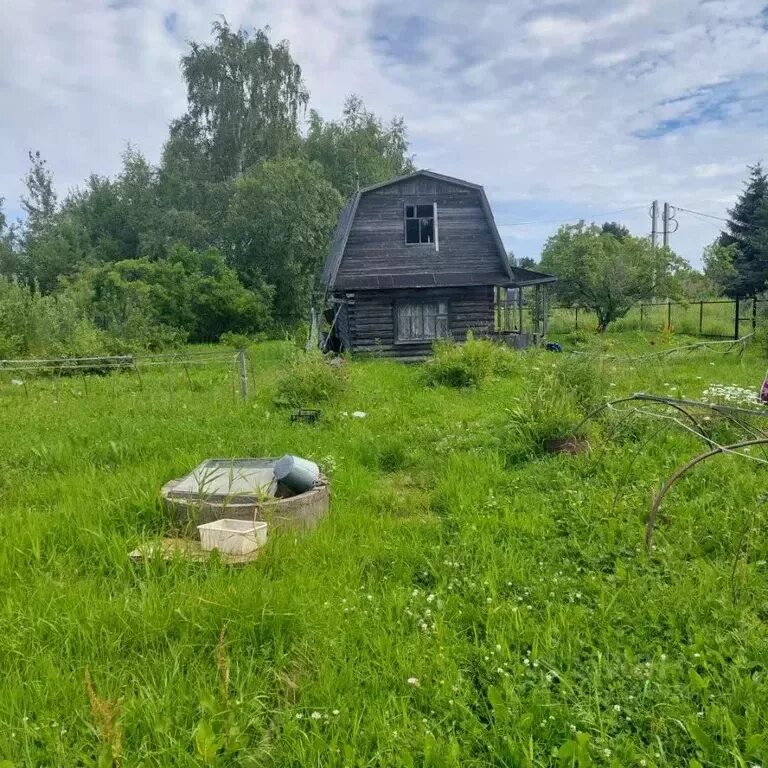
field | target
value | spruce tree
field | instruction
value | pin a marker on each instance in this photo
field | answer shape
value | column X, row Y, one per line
column 745, row 231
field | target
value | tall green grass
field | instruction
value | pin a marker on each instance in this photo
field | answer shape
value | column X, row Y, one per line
column 460, row 606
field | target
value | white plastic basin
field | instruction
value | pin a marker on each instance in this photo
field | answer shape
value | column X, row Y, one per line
column 233, row 537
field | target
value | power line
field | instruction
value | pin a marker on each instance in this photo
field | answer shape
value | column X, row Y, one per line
column 575, row 218
column 700, row 213
column 710, row 219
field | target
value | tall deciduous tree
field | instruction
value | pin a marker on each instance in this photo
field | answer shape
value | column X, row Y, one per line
column 525, row 262
column 607, row 274
column 359, row 149
column 719, row 266
column 280, row 223
column 244, row 98
column 39, row 202
column 52, row 243
column 615, row 229
column 747, row 232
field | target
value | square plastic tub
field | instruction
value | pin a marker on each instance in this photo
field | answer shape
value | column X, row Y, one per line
column 233, row 537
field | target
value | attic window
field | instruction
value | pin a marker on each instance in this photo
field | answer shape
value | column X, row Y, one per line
column 420, row 224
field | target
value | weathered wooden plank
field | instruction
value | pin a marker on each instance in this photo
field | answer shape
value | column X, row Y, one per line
column 376, row 244
column 371, row 319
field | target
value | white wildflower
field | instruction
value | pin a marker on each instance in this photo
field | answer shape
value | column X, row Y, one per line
column 414, row 681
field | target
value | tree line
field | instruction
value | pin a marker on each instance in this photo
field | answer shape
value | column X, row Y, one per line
column 227, row 232
column 224, row 235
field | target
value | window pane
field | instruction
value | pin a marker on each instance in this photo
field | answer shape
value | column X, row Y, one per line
column 403, row 322
column 417, row 323
column 412, row 231
column 410, row 211
column 430, row 315
column 424, row 211
column 422, row 322
column 427, row 230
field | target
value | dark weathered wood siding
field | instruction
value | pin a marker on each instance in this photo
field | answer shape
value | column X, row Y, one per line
column 371, row 317
column 376, row 254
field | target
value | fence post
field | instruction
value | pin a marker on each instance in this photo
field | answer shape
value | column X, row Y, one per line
column 641, row 316
column 669, row 315
column 754, row 314
column 577, row 319
column 736, row 320
column 243, row 374
column 701, row 317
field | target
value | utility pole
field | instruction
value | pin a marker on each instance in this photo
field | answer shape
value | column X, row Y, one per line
column 668, row 219
column 654, row 214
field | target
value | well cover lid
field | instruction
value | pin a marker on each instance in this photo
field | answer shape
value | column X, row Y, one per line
column 233, row 480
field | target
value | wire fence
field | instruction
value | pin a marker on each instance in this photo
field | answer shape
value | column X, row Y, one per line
column 180, row 365
column 714, row 319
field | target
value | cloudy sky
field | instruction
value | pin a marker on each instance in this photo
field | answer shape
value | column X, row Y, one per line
column 562, row 108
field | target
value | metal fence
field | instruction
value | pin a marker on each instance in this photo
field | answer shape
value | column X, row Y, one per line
column 234, row 366
column 714, row 319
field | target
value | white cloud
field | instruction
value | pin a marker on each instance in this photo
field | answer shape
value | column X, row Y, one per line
column 540, row 101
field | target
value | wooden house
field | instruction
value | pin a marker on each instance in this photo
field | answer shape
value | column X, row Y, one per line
column 415, row 259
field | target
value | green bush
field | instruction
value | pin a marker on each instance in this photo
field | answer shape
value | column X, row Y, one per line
column 553, row 404
column 541, row 415
column 583, row 378
column 235, row 340
column 190, row 295
column 310, row 379
column 32, row 325
column 57, row 325
column 467, row 364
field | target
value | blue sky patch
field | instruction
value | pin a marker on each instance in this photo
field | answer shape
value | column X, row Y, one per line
column 709, row 104
column 171, row 22
column 400, row 37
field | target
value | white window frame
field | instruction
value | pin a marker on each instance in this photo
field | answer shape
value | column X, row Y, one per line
column 407, row 218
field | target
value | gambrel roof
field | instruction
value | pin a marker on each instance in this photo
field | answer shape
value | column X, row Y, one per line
column 516, row 276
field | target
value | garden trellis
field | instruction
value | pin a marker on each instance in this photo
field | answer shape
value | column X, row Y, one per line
column 739, row 417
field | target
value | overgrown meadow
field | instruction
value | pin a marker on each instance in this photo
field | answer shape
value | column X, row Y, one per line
column 472, row 600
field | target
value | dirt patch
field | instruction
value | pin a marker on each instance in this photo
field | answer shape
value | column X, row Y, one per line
column 573, row 445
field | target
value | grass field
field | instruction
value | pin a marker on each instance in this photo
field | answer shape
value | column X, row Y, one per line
column 468, row 602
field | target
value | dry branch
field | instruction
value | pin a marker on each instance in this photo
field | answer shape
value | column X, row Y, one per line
column 682, row 471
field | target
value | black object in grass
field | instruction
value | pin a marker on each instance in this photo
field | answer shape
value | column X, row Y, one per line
column 306, row 415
